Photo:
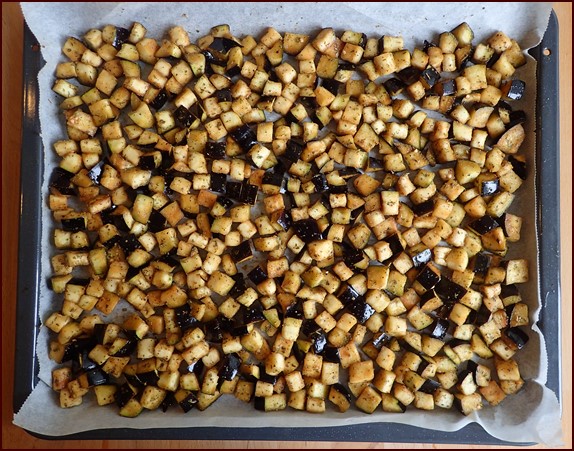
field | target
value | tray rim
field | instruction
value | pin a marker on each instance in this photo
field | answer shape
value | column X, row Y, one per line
column 547, row 185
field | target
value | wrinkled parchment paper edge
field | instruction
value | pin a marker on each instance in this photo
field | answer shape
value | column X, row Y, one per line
column 323, row 420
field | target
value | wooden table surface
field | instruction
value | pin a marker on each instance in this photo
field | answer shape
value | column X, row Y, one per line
column 13, row 437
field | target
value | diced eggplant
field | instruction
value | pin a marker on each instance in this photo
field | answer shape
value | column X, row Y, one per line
column 341, row 389
column 439, row 328
column 223, row 45
column 423, row 208
column 518, row 166
column 97, row 376
column 449, row 291
column 61, row 181
column 242, row 252
column 129, row 243
column 74, row 224
column 283, row 218
column 217, row 183
column 233, row 190
column 244, row 136
column 196, row 367
column 253, row 315
column 319, row 343
column 121, row 36
column 381, row 339
column 188, row 402
column 338, row 189
column 183, row 117
column 293, row 151
column 310, row 328
column 331, row 85
column 147, row 162
column 135, row 383
column 409, row 75
column 514, row 89
column 353, row 256
column 275, row 176
column 215, row 150
column 331, row 354
column 124, row 393
column 212, row 59
column 230, row 367
column 294, row 310
column 422, row 257
column 320, row 183
column 241, row 329
column 394, row 86
column 184, row 318
column 160, row 100
column 347, row 294
column 361, row 310
column 307, row 230
column 240, row 285
column 515, row 118
column 396, row 244
column 517, row 336
column 224, row 202
column 149, row 377
column 224, row 95
column 428, row 277
column 128, row 348
column 168, row 401
column 445, row 88
column 76, row 346
column 489, row 187
column 484, row 224
column 429, row 386
column 429, row 77
column 257, row 275
column 96, row 171
column 480, row 263
column 249, row 193
column 216, row 329
column 428, row 44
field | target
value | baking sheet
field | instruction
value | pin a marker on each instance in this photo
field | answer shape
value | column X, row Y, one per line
column 76, row 23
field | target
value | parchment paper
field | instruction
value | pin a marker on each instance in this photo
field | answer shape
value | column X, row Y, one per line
column 533, row 415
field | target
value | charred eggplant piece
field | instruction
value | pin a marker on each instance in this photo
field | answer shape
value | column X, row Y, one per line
column 449, row 291
column 480, row 263
column 217, row 184
column 423, row 208
column 160, row 100
column 331, row 354
column 149, row 377
column 215, row 150
column 124, row 393
column 184, row 318
column 429, row 386
column 347, row 294
column 242, row 252
column 61, row 181
column 409, row 75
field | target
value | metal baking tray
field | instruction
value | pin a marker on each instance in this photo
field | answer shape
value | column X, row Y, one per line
column 548, row 218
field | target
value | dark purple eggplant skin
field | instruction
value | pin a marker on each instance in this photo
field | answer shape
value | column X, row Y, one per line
column 439, row 328
column 342, row 390
column 381, row 339
column 423, row 208
column 489, row 187
column 449, row 291
column 516, row 89
column 517, row 336
column 244, row 136
column 430, row 76
column 331, row 354
column 123, row 394
column 230, row 367
column 409, row 75
column 484, row 225
column 429, row 386
column 422, row 258
column 60, row 180
column 428, row 278
column 241, row 252
column 74, row 224
column 188, row 402
column 97, row 376
column 394, row 86
column 480, row 263
column 347, row 294
column 307, row 230
column 257, row 275
column 361, row 310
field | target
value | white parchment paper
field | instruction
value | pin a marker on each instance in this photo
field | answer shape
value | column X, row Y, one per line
column 533, row 415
